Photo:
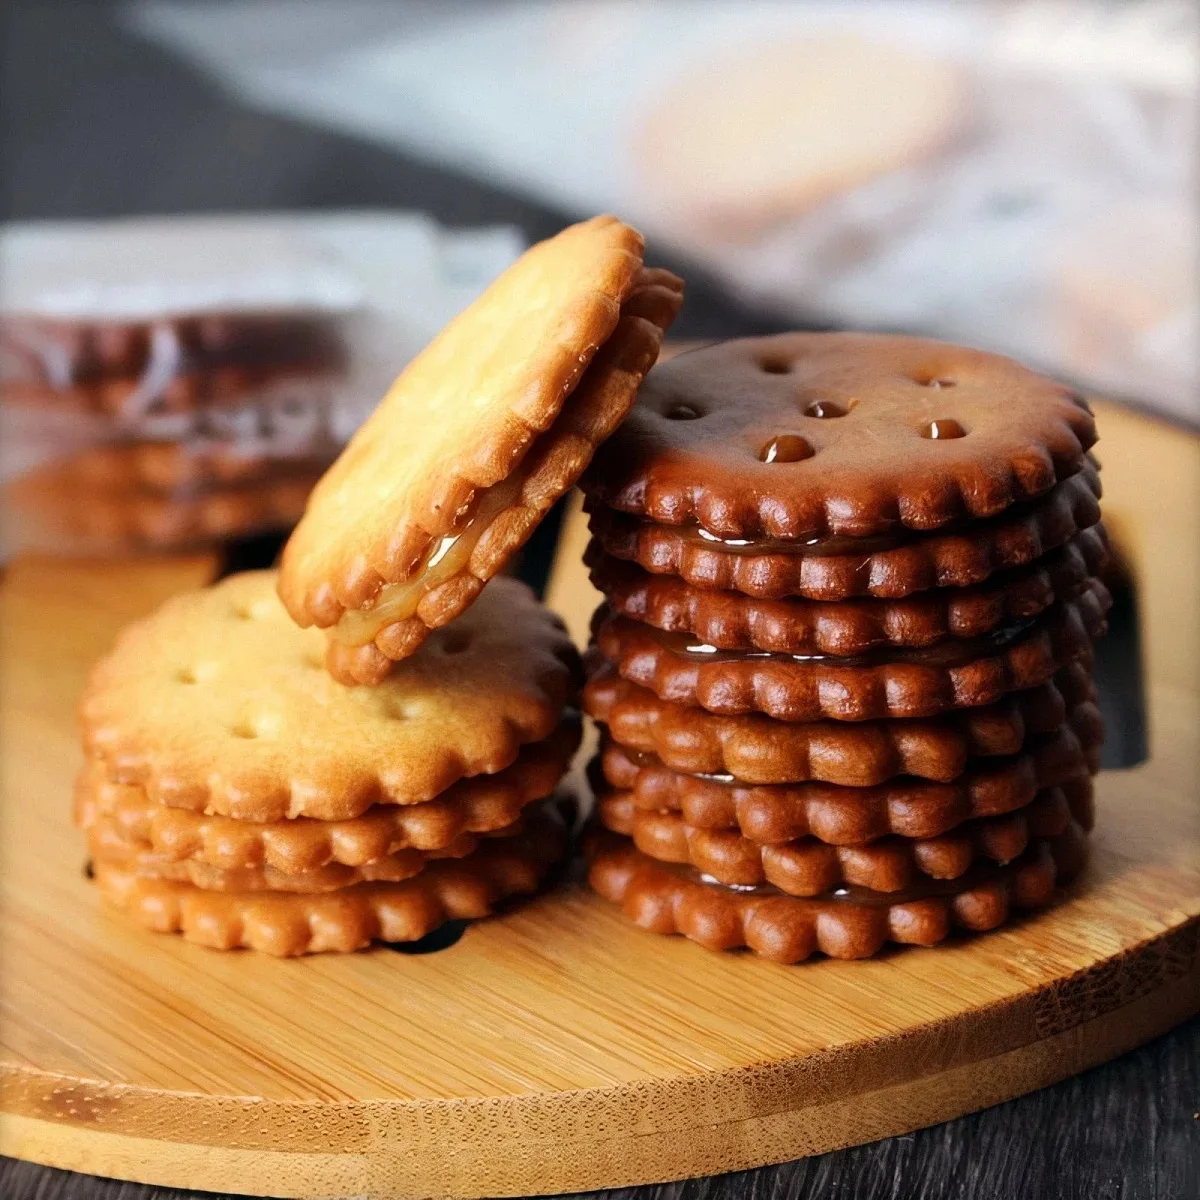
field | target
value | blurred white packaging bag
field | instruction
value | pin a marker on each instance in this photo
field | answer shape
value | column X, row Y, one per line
column 267, row 333
column 169, row 383
column 930, row 165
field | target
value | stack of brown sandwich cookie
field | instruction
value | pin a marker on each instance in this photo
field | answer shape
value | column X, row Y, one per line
column 842, row 671
column 366, row 743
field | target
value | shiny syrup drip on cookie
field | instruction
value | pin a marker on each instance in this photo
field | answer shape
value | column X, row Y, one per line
column 644, row 759
column 624, row 525
column 947, row 653
column 815, row 546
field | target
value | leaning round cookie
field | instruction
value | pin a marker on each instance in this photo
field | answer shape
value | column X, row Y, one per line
column 350, row 918
column 664, row 898
column 736, row 621
column 815, row 435
column 478, row 437
column 838, row 568
column 810, row 867
column 771, row 814
column 758, row 749
column 920, row 682
column 218, row 703
column 479, row 805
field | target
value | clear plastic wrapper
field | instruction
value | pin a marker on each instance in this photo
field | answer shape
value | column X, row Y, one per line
column 169, row 382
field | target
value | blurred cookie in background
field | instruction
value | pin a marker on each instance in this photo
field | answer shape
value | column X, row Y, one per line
column 766, row 132
column 1125, row 299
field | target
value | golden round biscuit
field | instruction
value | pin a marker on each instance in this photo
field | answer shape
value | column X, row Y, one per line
column 106, row 845
column 847, row 923
column 757, row 134
column 475, row 441
column 351, row 918
column 219, row 703
column 479, row 805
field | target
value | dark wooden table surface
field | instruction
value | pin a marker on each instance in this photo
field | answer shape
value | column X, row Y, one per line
column 93, row 123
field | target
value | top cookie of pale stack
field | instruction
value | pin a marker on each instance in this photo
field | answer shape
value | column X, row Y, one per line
column 475, row 441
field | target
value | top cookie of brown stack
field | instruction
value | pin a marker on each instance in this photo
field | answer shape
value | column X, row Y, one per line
column 902, row 432
column 835, row 564
column 480, row 435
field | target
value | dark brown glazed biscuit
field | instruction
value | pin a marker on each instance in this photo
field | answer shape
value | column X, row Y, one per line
column 810, row 867
column 914, row 683
column 480, row 804
column 837, row 569
column 735, row 621
column 912, row 808
column 849, row 923
column 758, row 749
column 802, row 435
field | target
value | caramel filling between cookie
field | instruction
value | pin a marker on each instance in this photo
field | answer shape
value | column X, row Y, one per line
column 615, row 524
column 948, row 653
column 926, row 888
column 445, row 559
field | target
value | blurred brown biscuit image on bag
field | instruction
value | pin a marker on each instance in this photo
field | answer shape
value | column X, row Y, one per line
column 763, row 133
column 128, row 369
column 58, row 509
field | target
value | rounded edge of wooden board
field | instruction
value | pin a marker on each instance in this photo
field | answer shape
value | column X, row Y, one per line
column 602, row 1138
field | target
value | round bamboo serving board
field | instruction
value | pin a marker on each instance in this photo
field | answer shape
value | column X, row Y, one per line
column 557, row 1048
